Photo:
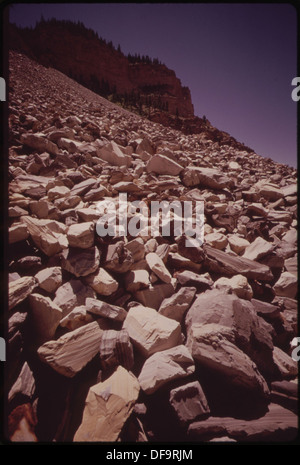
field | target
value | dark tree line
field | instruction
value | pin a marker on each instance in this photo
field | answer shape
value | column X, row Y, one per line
column 137, row 58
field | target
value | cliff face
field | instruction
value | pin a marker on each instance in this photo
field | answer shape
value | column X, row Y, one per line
column 82, row 55
column 142, row 85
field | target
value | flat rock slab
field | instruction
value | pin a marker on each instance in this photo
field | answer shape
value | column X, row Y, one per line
column 39, row 142
column 151, row 332
column 165, row 366
column 205, row 177
column 160, row 164
column 229, row 265
column 72, row 351
column 278, row 424
column 107, row 407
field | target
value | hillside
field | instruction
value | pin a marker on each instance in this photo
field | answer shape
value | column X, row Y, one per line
column 140, row 84
column 138, row 337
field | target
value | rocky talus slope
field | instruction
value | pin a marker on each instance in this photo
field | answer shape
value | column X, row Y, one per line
column 140, row 338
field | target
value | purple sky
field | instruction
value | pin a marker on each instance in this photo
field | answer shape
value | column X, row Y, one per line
column 237, row 59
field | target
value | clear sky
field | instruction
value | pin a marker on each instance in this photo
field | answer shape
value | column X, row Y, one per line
column 237, row 59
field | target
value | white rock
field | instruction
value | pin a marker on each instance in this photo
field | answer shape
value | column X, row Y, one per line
column 258, row 249
column 238, row 285
column 19, row 289
column 72, row 351
column 107, row 407
column 151, row 332
column 102, row 282
column 238, row 244
column 287, row 285
column 156, row 264
column 49, row 279
column 216, row 240
column 76, row 318
column 45, row 316
column 81, row 235
column 161, row 164
column 18, row 232
column 136, row 280
column 165, row 366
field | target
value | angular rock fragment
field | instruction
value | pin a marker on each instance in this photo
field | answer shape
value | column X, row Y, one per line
column 24, row 385
column 193, row 252
column 81, row 262
column 287, row 285
column 102, row 282
column 238, row 285
column 72, row 294
column 156, row 264
column 238, row 244
column 174, row 307
column 136, row 280
column 113, row 154
column 151, row 332
column 17, row 233
column 221, row 262
column 45, row 316
column 48, row 235
column 205, row 177
column 160, row 164
column 287, row 367
column 107, row 407
column 201, row 282
column 154, row 294
column 137, row 249
column 258, row 249
column 116, row 349
column 251, row 333
column 105, row 310
column 40, row 143
column 212, row 345
column 81, row 235
column 216, row 240
column 49, row 279
column 72, row 351
column 165, row 366
column 76, row 318
column 20, row 289
column 118, row 258
column 189, row 402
